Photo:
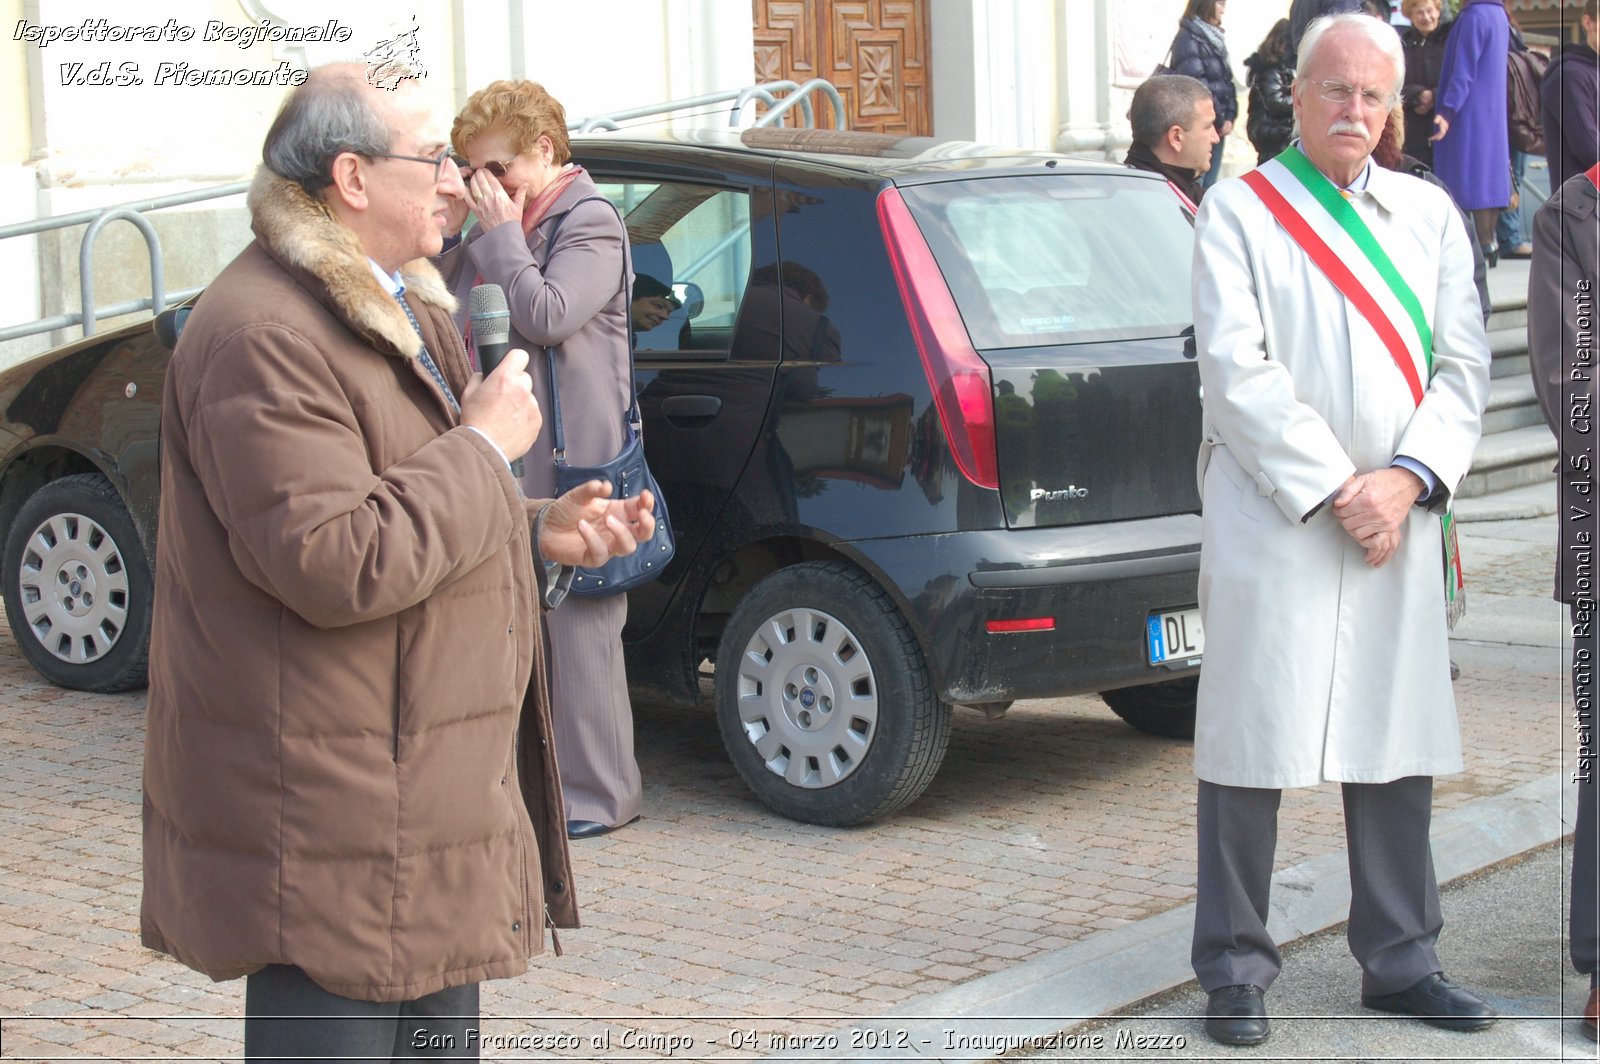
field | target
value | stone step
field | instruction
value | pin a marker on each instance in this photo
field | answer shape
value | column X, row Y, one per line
column 1509, row 366
column 1530, row 500
column 1511, row 473
column 1510, row 459
column 1512, row 405
column 1508, row 350
column 1510, row 418
column 1512, row 341
column 1508, row 316
column 1511, row 391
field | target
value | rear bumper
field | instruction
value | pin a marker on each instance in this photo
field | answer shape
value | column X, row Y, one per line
column 1099, row 583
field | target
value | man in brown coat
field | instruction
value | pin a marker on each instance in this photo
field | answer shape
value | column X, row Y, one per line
column 347, row 798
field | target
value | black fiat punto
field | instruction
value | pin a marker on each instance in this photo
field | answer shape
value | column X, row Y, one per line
column 926, row 413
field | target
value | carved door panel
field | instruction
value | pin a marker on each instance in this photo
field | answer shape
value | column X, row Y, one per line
column 874, row 51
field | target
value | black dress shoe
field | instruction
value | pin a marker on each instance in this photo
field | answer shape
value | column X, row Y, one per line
column 591, row 829
column 1590, row 1011
column 1237, row 1015
column 1437, row 1001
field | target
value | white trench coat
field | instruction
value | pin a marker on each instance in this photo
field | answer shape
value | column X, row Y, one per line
column 1317, row 666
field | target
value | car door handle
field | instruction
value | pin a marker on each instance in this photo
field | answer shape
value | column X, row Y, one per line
column 688, row 406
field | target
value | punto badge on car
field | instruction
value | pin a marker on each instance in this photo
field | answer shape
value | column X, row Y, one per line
column 1071, row 491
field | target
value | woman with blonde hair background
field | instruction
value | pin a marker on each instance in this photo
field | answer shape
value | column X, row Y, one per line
column 545, row 236
column 1423, row 43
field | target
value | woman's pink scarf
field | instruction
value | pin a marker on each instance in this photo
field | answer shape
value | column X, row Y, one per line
column 534, row 212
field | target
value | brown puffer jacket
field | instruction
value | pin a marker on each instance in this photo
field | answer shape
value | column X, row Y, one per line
column 340, row 762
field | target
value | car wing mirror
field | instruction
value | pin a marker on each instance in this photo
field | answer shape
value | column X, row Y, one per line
column 169, row 323
column 690, row 297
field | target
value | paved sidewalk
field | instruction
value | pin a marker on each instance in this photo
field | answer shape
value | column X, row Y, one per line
column 1502, row 937
column 716, row 930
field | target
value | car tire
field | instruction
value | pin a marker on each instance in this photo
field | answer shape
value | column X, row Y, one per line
column 77, row 586
column 1165, row 709
column 824, row 699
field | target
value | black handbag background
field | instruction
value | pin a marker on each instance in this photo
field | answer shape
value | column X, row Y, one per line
column 627, row 473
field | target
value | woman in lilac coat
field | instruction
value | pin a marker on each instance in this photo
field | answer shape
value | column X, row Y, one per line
column 1471, row 151
column 560, row 252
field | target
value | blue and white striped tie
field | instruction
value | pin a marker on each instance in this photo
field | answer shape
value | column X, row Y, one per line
column 427, row 359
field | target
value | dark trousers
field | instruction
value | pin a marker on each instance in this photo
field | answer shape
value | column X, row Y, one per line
column 1394, row 903
column 287, row 1016
column 1209, row 178
column 1585, row 926
column 1584, row 930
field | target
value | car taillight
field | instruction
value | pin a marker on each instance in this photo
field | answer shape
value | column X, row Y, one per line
column 963, row 391
column 1021, row 624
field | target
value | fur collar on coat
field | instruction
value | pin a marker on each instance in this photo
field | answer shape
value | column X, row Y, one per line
column 299, row 231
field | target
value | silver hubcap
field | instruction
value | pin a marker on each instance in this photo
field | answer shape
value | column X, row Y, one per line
column 808, row 699
column 74, row 588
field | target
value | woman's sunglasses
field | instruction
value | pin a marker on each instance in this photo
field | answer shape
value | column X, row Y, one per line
column 496, row 169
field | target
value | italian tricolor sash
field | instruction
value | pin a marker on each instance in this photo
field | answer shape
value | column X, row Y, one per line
column 1319, row 218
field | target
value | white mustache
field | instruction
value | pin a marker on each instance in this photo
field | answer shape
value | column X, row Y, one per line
column 1342, row 126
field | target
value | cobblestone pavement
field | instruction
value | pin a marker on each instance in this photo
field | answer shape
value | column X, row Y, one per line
column 712, row 926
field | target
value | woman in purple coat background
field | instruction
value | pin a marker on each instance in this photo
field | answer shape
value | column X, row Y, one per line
column 1472, row 151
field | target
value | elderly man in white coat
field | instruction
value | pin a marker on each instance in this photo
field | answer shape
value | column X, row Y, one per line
column 1345, row 370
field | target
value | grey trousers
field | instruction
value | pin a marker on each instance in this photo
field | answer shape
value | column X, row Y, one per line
column 1394, row 905
column 591, row 712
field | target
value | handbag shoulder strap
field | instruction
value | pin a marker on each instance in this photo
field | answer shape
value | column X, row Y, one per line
column 558, row 433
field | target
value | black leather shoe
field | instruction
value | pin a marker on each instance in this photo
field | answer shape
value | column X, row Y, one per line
column 1237, row 1015
column 1438, row 1002
column 1590, row 1011
column 592, row 829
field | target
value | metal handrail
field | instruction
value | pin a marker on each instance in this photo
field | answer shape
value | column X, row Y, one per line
column 801, row 97
column 780, row 98
column 798, row 95
column 97, row 218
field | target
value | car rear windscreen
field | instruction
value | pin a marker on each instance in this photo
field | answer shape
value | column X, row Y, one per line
column 1059, row 258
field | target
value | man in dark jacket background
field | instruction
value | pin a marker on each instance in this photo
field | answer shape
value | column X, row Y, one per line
column 1567, row 99
column 1174, row 129
column 1302, row 13
column 1562, row 282
column 348, row 798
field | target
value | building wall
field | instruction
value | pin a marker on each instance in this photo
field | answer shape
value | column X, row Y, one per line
column 107, row 120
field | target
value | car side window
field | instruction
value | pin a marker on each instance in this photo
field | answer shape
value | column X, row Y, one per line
column 691, row 264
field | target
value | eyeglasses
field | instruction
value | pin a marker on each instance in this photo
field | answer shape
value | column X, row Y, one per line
column 1339, row 92
column 438, row 161
column 497, row 169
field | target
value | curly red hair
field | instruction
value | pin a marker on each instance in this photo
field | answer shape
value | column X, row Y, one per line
column 522, row 110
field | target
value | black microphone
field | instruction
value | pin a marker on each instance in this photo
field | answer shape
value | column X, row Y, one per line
column 490, row 318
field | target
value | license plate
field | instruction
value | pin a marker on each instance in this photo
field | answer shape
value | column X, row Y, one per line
column 1175, row 638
